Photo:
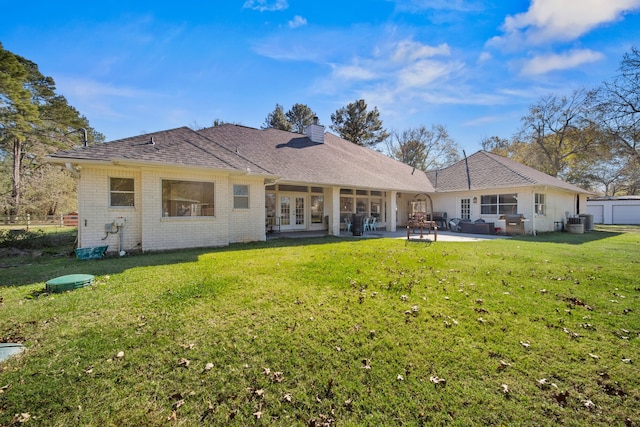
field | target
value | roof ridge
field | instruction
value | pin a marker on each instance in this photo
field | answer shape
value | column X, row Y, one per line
column 231, row 151
column 504, row 164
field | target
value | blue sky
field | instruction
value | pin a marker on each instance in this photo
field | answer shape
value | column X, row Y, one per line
column 473, row 66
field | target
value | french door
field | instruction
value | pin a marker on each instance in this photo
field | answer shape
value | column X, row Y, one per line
column 293, row 212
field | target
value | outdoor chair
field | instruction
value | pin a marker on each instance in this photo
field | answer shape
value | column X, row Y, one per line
column 347, row 223
column 367, row 225
column 373, row 225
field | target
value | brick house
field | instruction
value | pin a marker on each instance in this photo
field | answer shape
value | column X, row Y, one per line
column 182, row 188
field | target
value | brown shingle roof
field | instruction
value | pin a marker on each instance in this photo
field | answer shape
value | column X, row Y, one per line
column 179, row 147
column 295, row 158
column 290, row 156
column 488, row 170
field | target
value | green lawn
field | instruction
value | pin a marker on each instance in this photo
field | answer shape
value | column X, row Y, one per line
column 540, row 331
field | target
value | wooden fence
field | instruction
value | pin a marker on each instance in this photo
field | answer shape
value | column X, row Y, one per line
column 30, row 221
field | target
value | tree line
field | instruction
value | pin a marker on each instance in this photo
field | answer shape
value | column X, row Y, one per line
column 421, row 147
column 34, row 122
column 589, row 137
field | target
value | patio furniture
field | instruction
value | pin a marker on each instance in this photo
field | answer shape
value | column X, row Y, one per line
column 440, row 218
column 273, row 224
column 455, row 224
column 420, row 221
column 373, row 225
column 347, row 223
column 367, row 225
column 478, row 227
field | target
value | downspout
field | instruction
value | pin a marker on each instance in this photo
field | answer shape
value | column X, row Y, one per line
column 535, row 214
column 75, row 172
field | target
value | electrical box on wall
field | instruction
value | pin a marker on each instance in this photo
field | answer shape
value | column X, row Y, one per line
column 119, row 221
column 110, row 228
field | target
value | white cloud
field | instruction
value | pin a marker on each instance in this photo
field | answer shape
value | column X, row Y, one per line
column 553, row 20
column 266, row 5
column 353, row 72
column 409, row 50
column 543, row 64
column 423, row 73
column 416, row 6
column 484, row 57
column 297, row 21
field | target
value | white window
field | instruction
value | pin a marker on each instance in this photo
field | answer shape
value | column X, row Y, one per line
column 121, row 192
column 240, row 196
column 502, row 204
column 187, row 198
column 540, row 204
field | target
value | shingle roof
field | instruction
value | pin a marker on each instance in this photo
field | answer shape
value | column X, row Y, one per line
column 488, row 170
column 180, row 147
column 290, row 156
column 295, row 158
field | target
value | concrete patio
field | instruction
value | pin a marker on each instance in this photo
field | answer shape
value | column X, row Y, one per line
column 443, row 235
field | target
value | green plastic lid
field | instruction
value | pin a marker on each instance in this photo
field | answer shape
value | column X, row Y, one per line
column 68, row 282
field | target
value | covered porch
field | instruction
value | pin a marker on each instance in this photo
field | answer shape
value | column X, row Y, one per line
column 327, row 209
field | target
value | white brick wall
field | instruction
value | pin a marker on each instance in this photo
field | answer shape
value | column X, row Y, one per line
column 94, row 211
column 147, row 229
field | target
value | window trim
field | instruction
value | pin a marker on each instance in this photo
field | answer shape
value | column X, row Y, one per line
column 238, row 197
column 540, row 200
column 166, row 214
column 497, row 205
column 132, row 192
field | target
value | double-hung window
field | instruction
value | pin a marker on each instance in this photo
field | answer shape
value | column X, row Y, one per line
column 121, row 192
column 240, row 196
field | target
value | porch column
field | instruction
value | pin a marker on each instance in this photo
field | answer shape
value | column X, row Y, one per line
column 334, row 211
column 391, row 210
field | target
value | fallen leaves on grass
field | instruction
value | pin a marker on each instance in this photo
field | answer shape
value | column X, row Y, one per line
column 525, row 344
column 503, row 365
column 561, row 398
column 505, row 389
column 437, row 381
column 20, row 418
column 184, row 363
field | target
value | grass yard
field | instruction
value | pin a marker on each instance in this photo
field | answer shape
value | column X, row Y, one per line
column 537, row 331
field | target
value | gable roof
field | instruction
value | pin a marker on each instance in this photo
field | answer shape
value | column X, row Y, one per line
column 288, row 156
column 489, row 171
